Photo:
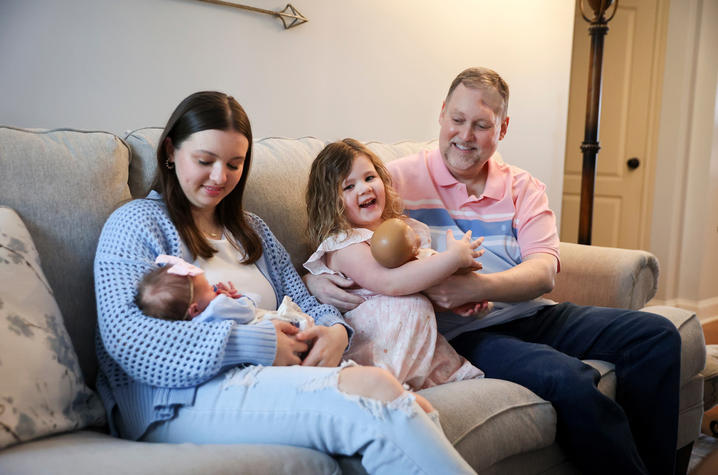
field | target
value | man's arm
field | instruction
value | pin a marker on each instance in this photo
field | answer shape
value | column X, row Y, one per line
column 329, row 289
column 532, row 278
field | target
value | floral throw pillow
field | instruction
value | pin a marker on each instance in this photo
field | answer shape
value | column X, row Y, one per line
column 42, row 390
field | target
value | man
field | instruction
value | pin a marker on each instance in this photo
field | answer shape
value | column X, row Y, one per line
column 526, row 339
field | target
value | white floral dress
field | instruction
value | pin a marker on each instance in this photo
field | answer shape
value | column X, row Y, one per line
column 398, row 334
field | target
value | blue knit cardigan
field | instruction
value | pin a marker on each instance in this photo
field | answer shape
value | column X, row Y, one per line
column 149, row 367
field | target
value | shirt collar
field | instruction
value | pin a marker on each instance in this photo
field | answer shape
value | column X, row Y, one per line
column 442, row 176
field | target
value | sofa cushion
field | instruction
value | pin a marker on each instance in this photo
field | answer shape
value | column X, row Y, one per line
column 607, row 383
column 710, row 378
column 275, row 161
column 143, row 161
column 42, row 391
column 605, row 276
column 89, row 453
column 488, row 420
column 64, row 184
column 388, row 152
column 693, row 353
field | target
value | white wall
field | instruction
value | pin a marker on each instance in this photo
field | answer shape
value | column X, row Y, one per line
column 685, row 217
column 372, row 69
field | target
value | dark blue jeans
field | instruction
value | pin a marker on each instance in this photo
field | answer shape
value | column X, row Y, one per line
column 634, row 434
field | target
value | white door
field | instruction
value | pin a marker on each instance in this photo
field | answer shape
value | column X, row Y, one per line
column 632, row 71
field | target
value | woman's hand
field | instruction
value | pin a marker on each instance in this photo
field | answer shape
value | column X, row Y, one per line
column 328, row 289
column 288, row 346
column 328, row 344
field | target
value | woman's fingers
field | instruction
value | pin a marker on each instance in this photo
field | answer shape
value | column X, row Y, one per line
column 288, row 347
column 327, row 347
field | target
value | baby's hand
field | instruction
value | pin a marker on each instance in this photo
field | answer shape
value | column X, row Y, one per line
column 227, row 289
column 465, row 250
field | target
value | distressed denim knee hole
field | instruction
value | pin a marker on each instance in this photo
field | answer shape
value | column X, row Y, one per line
column 404, row 402
column 241, row 377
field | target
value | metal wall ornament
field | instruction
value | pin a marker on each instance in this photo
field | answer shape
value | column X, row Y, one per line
column 290, row 16
column 597, row 30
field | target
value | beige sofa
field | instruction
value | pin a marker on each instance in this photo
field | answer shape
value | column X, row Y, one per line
column 64, row 184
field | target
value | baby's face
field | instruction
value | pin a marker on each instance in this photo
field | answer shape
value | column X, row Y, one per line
column 203, row 292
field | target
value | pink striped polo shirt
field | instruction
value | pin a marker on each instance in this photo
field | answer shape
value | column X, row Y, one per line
column 512, row 214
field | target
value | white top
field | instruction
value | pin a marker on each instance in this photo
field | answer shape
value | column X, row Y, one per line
column 226, row 266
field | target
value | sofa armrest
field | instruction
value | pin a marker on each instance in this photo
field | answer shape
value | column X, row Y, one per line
column 605, row 276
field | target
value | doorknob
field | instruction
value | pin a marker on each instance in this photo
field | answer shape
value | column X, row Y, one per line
column 633, row 163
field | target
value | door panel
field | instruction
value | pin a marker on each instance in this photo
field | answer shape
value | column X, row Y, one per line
column 628, row 124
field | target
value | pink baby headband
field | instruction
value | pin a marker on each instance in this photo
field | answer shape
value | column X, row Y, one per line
column 178, row 266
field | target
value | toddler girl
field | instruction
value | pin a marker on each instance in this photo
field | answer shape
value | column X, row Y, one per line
column 180, row 291
column 348, row 196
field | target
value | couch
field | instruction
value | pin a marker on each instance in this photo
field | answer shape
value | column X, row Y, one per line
column 64, row 183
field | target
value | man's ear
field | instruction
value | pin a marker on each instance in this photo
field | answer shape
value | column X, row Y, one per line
column 193, row 310
column 441, row 112
column 504, row 128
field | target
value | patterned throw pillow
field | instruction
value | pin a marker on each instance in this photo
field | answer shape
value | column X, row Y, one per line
column 42, row 390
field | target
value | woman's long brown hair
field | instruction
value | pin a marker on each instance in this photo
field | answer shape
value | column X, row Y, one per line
column 204, row 111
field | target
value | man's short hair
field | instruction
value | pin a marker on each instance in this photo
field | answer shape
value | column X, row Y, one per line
column 482, row 78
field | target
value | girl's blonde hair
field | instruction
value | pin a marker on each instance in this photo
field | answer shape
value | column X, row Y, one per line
column 325, row 205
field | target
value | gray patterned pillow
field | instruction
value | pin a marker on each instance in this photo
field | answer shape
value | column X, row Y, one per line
column 42, row 390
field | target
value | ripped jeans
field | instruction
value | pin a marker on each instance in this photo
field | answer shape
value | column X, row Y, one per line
column 302, row 406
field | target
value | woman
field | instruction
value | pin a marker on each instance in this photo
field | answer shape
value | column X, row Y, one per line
column 163, row 381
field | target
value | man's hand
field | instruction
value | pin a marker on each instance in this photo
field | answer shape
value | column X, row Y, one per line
column 532, row 278
column 329, row 289
column 474, row 309
column 455, row 291
column 328, row 344
column 288, row 346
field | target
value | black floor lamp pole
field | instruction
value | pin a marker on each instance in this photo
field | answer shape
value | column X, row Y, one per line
column 597, row 30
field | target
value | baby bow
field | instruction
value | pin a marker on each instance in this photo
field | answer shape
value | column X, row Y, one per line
column 179, row 266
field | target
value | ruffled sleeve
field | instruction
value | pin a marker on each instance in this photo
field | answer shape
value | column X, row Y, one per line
column 316, row 264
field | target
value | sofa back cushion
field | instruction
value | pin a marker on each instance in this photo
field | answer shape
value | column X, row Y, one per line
column 64, row 184
column 143, row 162
column 277, row 182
